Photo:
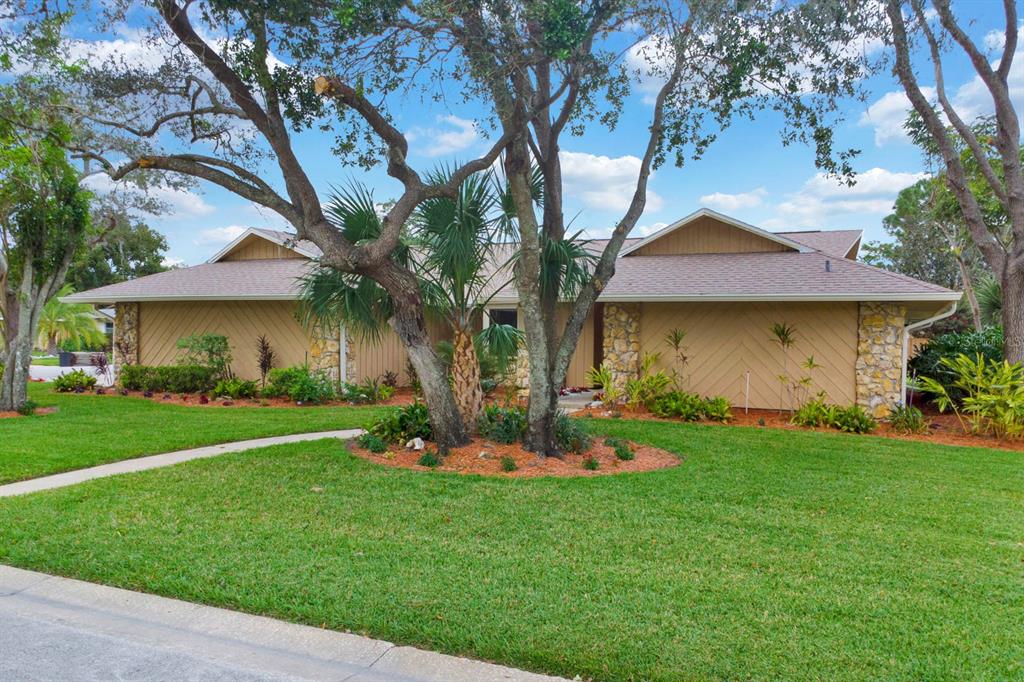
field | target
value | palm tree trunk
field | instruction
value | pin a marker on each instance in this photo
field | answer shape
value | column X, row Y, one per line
column 466, row 379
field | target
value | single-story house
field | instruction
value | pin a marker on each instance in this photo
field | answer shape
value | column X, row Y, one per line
column 722, row 281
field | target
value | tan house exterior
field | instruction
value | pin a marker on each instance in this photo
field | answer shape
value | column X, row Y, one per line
column 722, row 281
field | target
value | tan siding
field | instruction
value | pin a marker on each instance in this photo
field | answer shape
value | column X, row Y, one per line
column 583, row 358
column 162, row 324
column 255, row 247
column 372, row 359
column 725, row 340
column 707, row 235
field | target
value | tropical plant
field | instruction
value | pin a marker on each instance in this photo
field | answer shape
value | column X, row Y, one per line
column 907, row 419
column 680, row 404
column 235, row 388
column 207, row 350
column 265, row 357
column 989, row 293
column 74, row 382
column 281, row 379
column 623, row 450
column 503, row 424
column 404, row 424
column 853, row 419
column 368, row 391
column 992, row 395
column 928, row 362
column 508, row 464
column 172, row 378
column 313, row 387
column 456, row 240
column 570, row 434
column 814, row 412
column 429, row 458
column 785, row 336
column 63, row 323
column 603, row 378
column 373, row 443
column 675, row 338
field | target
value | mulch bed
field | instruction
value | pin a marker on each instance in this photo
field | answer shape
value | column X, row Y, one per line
column 943, row 428
column 402, row 396
column 39, row 411
column 484, row 458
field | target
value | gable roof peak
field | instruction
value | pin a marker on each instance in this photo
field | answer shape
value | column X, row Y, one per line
column 705, row 212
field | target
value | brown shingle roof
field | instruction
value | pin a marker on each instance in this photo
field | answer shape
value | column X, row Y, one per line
column 833, row 242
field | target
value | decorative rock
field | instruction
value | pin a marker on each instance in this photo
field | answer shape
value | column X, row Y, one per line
column 622, row 341
column 415, row 444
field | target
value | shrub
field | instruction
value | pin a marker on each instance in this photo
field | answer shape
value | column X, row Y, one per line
column 28, row 408
column 503, row 424
column 508, row 464
column 601, row 376
column 280, row 380
column 208, row 350
column 265, row 357
column 622, row 449
column 907, row 419
column 77, row 380
column 312, row 387
column 235, row 388
column 389, row 378
column 815, row 412
column 429, row 458
column 370, row 391
column 403, row 424
column 992, row 394
column 591, row 464
column 571, row 435
column 853, row 419
column 686, row 406
column 716, row 409
column 372, row 443
column 928, row 361
column 171, row 378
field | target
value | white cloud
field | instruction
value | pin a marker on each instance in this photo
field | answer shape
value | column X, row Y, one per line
column 647, row 230
column 971, row 100
column 822, row 198
column 458, row 134
column 179, row 202
column 172, row 262
column 734, row 202
column 219, row 235
column 604, row 183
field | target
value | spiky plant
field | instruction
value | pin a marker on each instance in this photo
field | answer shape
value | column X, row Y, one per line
column 785, row 336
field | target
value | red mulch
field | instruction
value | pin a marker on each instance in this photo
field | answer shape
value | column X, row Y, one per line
column 39, row 411
column 468, row 460
column 943, row 428
column 402, row 396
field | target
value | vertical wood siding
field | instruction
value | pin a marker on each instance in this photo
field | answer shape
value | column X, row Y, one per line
column 725, row 340
column 372, row 359
column 162, row 324
column 583, row 358
column 258, row 248
column 707, row 235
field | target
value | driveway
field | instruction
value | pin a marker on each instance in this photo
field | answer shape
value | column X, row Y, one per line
column 48, row 373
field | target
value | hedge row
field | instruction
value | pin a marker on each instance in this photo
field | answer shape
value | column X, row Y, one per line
column 170, row 379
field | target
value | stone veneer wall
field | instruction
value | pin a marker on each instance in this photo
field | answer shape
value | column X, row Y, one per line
column 622, row 341
column 126, row 334
column 880, row 356
column 325, row 353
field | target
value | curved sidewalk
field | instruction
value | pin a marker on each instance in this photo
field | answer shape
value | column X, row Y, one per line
column 127, row 466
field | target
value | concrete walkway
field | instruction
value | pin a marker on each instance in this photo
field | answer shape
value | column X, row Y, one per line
column 49, row 373
column 156, row 461
column 54, row 628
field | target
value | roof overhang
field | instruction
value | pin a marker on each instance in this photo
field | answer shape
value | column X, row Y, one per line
column 721, row 217
column 252, row 231
column 171, row 298
column 722, row 298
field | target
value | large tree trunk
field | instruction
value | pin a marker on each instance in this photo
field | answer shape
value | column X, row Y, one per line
column 1013, row 316
column 466, row 379
column 410, row 326
column 22, row 326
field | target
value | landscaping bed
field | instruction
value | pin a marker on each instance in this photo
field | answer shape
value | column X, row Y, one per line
column 498, row 459
column 401, row 396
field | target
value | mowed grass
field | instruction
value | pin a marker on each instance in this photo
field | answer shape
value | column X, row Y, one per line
column 87, row 430
column 765, row 554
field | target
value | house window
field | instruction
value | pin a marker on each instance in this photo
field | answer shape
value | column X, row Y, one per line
column 509, row 316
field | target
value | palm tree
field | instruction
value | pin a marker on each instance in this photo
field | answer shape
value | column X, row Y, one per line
column 71, row 323
column 990, row 300
column 452, row 245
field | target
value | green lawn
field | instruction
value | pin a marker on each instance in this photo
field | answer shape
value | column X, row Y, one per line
column 766, row 554
column 88, row 430
column 45, row 361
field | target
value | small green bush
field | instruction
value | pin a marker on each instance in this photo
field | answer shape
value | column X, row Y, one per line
column 853, row 419
column 907, row 419
column 208, row 350
column 235, row 388
column 716, row 409
column 622, row 449
column 281, row 379
column 429, row 458
column 814, row 413
column 928, row 361
column 508, row 464
column 169, row 378
column 571, row 435
column 312, row 388
column 991, row 394
column 591, row 464
column 370, row 391
column 679, row 404
column 503, row 424
column 28, row 408
column 77, row 380
column 372, row 443
column 403, row 424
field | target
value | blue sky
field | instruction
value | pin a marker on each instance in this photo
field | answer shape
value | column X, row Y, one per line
column 747, row 173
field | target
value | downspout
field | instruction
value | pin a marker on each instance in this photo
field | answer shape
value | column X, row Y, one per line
column 906, row 343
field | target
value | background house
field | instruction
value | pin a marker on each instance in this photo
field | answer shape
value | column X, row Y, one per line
column 720, row 280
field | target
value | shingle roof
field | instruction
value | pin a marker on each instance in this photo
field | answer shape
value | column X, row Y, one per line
column 833, row 242
column 725, row 276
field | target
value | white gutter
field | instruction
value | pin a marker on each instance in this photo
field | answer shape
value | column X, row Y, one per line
column 906, row 343
column 698, row 298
